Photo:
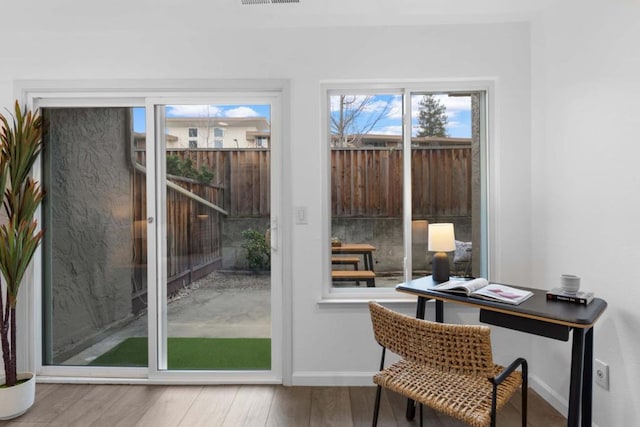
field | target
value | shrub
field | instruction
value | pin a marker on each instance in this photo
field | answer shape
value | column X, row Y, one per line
column 258, row 249
column 184, row 168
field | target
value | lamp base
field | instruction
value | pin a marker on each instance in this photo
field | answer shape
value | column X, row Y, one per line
column 440, row 267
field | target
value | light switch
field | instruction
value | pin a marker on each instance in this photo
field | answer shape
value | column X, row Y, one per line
column 301, row 215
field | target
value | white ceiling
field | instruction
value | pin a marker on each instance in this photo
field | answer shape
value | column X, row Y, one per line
column 181, row 14
column 381, row 12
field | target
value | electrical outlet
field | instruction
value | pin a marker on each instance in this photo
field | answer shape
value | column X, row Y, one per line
column 601, row 372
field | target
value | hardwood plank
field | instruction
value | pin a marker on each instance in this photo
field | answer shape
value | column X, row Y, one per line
column 43, row 390
column 540, row 413
column 55, row 403
column 231, row 405
column 291, row 407
column 398, row 404
column 511, row 413
column 330, row 407
column 170, row 407
column 130, row 406
column 362, row 401
column 88, row 409
column 210, row 407
column 250, row 406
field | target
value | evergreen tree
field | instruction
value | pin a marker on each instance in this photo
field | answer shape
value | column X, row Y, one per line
column 432, row 119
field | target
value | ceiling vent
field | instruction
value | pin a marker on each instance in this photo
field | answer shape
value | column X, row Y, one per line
column 269, row 1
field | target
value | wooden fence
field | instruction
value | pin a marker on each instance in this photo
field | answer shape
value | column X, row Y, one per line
column 365, row 182
column 369, row 182
column 194, row 235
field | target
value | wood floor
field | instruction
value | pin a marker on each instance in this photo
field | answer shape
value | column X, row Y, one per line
column 236, row 406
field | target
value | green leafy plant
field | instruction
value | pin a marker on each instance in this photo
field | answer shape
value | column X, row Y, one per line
column 258, row 249
column 20, row 146
column 178, row 167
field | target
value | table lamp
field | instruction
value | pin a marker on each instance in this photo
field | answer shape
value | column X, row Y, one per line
column 441, row 241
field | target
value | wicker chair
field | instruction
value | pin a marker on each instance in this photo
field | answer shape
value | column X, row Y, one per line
column 446, row 367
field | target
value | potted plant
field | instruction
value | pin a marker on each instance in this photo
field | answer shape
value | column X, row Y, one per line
column 20, row 146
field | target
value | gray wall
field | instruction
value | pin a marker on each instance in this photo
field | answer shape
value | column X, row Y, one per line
column 234, row 256
column 88, row 223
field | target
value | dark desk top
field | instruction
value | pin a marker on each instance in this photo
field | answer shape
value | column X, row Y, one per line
column 536, row 307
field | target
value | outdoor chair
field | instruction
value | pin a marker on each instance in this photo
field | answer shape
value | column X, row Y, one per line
column 446, row 367
column 462, row 258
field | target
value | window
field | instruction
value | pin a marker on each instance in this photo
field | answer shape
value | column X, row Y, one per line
column 262, row 142
column 193, row 132
column 193, row 143
column 390, row 178
column 218, row 137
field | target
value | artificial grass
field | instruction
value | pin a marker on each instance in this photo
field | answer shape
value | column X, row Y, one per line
column 194, row 353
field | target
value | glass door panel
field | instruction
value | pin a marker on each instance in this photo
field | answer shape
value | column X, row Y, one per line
column 215, row 311
column 95, row 281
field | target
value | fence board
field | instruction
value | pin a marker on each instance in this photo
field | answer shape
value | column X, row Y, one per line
column 365, row 182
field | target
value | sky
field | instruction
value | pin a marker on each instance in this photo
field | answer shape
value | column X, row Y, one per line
column 204, row 111
column 458, row 110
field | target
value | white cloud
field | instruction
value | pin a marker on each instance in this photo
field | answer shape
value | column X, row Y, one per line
column 193, row 111
column 454, row 104
column 210, row 111
column 395, row 112
column 241, row 111
column 388, row 130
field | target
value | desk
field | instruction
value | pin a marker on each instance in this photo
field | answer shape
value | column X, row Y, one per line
column 537, row 316
column 364, row 249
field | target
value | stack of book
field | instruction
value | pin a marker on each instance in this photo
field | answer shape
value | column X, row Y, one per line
column 580, row 297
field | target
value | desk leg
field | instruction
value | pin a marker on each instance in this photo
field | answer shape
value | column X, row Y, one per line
column 420, row 313
column 439, row 311
column 422, row 307
column 587, row 379
column 577, row 371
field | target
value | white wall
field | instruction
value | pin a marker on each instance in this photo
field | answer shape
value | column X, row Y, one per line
column 586, row 110
column 331, row 344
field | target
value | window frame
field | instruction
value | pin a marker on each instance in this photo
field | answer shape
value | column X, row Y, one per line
column 331, row 294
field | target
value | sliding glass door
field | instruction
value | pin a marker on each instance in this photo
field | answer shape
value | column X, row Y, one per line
column 213, row 192
column 161, row 255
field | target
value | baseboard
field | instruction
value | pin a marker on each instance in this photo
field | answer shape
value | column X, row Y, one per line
column 329, row 379
column 559, row 403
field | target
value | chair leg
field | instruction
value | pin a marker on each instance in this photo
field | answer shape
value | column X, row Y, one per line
column 376, row 408
column 421, row 417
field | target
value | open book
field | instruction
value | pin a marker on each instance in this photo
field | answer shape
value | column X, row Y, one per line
column 481, row 288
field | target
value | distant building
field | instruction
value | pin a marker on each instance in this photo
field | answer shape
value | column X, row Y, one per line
column 218, row 132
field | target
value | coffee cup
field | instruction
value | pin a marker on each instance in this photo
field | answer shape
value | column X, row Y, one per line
column 569, row 283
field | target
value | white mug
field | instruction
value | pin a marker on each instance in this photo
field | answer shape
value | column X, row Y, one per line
column 570, row 283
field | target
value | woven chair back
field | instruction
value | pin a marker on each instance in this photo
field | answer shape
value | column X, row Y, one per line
column 460, row 349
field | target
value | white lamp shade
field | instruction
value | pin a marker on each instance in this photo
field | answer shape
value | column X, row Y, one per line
column 441, row 237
